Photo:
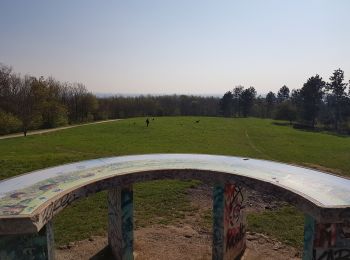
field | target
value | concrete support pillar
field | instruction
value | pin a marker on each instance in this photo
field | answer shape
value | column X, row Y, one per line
column 120, row 222
column 229, row 221
column 37, row 246
column 328, row 241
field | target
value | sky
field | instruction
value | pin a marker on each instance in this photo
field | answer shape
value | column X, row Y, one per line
column 176, row 47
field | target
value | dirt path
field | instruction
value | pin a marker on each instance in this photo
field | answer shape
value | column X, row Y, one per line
column 188, row 239
column 36, row 132
column 175, row 243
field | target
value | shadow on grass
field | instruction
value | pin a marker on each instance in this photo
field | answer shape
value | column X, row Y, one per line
column 104, row 254
column 281, row 123
column 307, row 128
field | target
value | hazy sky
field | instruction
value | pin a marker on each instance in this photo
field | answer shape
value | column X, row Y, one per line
column 179, row 46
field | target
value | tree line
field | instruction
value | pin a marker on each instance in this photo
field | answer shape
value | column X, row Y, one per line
column 28, row 103
column 32, row 103
column 318, row 103
column 166, row 105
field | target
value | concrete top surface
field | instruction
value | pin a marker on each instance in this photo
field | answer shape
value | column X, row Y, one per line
column 25, row 195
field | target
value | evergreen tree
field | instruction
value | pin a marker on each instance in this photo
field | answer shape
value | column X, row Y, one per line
column 226, row 104
column 311, row 96
column 283, row 94
column 237, row 109
column 247, row 100
column 270, row 103
column 337, row 87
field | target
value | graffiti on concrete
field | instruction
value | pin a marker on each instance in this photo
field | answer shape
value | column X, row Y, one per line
column 218, row 224
column 309, row 232
column 34, row 198
column 120, row 222
column 28, row 246
column 332, row 241
column 332, row 254
column 229, row 221
column 114, row 222
column 127, row 222
column 24, row 194
column 326, row 241
column 326, row 235
column 234, row 221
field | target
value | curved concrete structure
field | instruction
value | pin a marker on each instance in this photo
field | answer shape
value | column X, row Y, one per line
column 28, row 202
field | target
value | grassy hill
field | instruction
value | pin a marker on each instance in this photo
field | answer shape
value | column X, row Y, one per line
column 244, row 137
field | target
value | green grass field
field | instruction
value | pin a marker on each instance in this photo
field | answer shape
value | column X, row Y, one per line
column 243, row 137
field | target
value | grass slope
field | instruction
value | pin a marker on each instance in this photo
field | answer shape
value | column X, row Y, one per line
column 244, row 137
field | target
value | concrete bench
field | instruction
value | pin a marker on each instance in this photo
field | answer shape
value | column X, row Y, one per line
column 29, row 202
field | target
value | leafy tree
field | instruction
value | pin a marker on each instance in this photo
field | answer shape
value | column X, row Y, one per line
column 270, row 103
column 286, row 111
column 237, row 92
column 283, row 94
column 89, row 105
column 247, row 100
column 30, row 99
column 226, row 104
column 337, row 87
column 259, row 107
column 326, row 115
column 9, row 123
column 9, row 86
column 296, row 97
column 5, row 91
column 54, row 111
column 311, row 96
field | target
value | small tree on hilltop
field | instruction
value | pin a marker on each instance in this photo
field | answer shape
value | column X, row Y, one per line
column 31, row 97
column 311, row 95
column 237, row 92
column 283, row 94
column 286, row 111
column 247, row 100
column 270, row 103
column 337, row 87
column 226, row 104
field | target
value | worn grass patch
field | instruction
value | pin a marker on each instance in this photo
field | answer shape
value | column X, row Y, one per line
column 207, row 219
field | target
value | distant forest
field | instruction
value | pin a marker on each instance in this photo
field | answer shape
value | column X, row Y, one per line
column 321, row 104
column 28, row 103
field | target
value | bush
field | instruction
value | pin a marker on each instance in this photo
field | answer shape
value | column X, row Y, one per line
column 344, row 127
column 55, row 115
column 9, row 123
column 286, row 111
column 303, row 126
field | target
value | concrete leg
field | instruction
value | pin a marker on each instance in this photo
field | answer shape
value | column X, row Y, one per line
column 229, row 222
column 330, row 241
column 120, row 222
column 28, row 246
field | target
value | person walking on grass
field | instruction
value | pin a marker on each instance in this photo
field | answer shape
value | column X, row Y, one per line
column 147, row 122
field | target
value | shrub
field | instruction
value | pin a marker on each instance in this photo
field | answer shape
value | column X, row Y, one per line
column 286, row 111
column 9, row 123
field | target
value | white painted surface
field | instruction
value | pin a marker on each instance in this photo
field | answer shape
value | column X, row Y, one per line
column 324, row 189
